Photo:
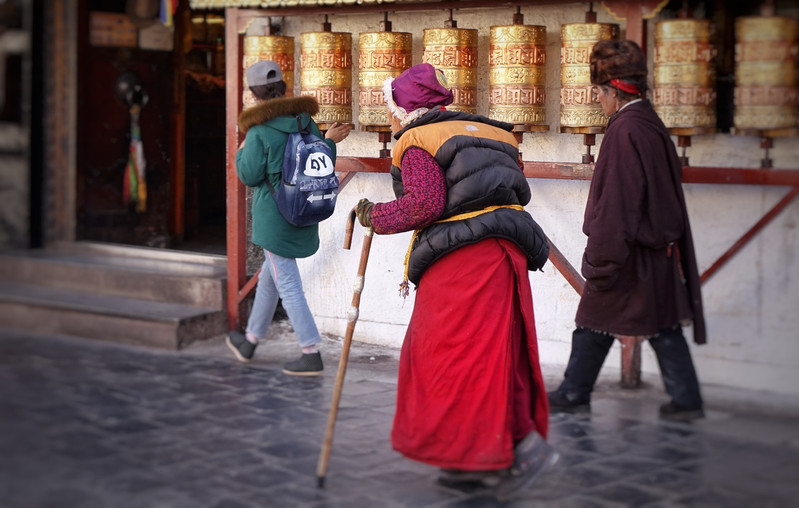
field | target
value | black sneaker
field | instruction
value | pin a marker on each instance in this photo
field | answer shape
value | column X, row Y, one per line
column 678, row 413
column 470, row 479
column 241, row 347
column 561, row 402
column 469, row 482
column 533, row 456
column 309, row 364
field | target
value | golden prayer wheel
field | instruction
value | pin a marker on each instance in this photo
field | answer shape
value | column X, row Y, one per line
column 381, row 55
column 277, row 48
column 580, row 111
column 684, row 93
column 517, row 76
column 766, row 76
column 326, row 73
column 454, row 51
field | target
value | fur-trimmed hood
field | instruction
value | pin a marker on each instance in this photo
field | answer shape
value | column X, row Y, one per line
column 273, row 108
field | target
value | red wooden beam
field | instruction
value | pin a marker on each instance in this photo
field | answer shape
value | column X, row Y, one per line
column 236, row 197
column 565, row 268
column 763, row 222
column 740, row 176
column 348, row 164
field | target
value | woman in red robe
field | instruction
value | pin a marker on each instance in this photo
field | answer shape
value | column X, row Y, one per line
column 471, row 399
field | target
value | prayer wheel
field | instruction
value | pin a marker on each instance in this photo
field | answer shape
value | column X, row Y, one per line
column 381, row 55
column 277, row 48
column 684, row 94
column 766, row 76
column 517, row 76
column 580, row 111
column 454, row 51
column 326, row 73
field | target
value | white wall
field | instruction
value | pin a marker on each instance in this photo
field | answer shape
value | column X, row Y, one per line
column 751, row 305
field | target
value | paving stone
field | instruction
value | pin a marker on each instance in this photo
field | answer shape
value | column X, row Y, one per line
column 86, row 423
column 627, row 493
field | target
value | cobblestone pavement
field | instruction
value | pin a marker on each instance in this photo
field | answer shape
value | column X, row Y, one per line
column 95, row 424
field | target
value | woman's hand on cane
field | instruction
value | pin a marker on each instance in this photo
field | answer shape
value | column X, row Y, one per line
column 363, row 211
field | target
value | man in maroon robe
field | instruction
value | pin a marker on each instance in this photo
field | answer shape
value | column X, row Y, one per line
column 639, row 264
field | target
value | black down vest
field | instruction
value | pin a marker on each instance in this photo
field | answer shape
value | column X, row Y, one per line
column 480, row 161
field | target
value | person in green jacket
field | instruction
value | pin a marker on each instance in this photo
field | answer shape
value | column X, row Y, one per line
column 267, row 126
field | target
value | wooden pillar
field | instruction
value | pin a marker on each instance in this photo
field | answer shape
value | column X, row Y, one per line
column 61, row 81
column 630, row 361
column 236, row 196
column 177, row 169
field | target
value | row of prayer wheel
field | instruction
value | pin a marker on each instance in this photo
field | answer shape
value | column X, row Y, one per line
column 684, row 93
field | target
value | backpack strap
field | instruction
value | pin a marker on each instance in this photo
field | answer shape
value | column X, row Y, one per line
column 302, row 130
column 272, row 190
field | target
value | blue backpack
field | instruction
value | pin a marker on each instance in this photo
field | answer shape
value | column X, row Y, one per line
column 309, row 185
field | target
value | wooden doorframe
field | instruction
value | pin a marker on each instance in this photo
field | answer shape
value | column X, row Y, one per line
column 60, row 74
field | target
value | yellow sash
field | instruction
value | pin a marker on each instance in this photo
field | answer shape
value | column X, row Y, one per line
column 404, row 286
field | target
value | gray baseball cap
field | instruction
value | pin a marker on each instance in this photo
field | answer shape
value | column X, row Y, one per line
column 264, row 73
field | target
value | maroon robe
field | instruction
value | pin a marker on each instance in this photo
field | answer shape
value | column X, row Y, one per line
column 639, row 263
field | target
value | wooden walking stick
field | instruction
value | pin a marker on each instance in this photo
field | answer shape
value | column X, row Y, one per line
column 324, row 456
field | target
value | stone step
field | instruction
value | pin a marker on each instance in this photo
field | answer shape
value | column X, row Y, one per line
column 140, row 253
column 159, row 275
column 107, row 317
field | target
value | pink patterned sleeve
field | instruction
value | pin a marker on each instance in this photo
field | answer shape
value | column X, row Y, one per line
column 423, row 200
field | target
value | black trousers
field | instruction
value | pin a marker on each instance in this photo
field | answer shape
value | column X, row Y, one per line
column 590, row 348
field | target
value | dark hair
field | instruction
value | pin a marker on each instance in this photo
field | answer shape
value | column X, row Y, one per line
column 612, row 59
column 271, row 91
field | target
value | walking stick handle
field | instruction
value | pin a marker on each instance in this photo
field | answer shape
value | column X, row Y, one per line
column 350, row 228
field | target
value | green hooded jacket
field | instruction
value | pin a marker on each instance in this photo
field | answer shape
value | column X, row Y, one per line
column 267, row 126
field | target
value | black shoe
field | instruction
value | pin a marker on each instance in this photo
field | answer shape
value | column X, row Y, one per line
column 677, row 413
column 533, row 456
column 561, row 402
column 470, row 482
column 306, row 365
column 485, row 478
column 241, row 347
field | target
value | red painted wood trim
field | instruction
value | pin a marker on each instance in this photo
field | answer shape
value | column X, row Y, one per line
column 565, row 268
column 236, row 197
column 762, row 223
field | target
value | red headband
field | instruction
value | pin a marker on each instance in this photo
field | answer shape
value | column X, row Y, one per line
column 625, row 87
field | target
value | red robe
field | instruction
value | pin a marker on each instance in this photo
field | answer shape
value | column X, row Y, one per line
column 470, row 385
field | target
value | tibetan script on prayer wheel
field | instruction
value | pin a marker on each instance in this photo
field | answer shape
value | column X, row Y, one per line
column 580, row 111
column 326, row 73
column 277, row 48
column 684, row 94
column 381, row 55
column 766, row 91
column 454, row 51
column 517, row 76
